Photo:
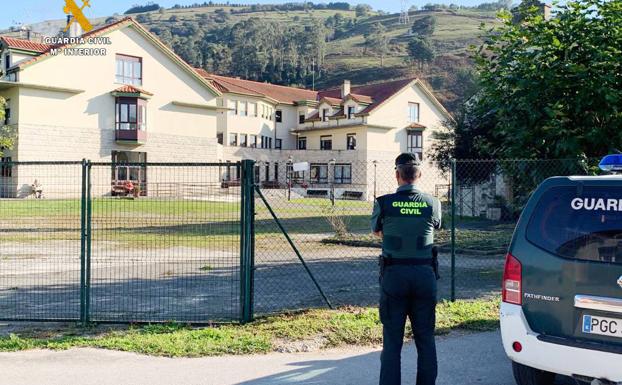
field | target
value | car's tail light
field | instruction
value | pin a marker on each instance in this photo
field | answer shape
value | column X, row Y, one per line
column 512, row 281
column 517, row 346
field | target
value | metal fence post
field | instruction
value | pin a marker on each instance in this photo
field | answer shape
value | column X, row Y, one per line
column 453, row 229
column 89, row 222
column 247, row 249
column 83, row 244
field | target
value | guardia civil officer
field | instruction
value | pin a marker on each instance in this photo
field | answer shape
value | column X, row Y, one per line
column 406, row 221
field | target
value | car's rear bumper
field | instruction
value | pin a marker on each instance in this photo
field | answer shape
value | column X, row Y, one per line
column 552, row 357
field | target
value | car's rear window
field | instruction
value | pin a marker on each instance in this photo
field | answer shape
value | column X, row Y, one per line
column 580, row 222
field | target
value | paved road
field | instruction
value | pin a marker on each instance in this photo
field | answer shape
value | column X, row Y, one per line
column 475, row 359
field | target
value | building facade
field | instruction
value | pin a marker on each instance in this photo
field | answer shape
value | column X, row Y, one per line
column 119, row 95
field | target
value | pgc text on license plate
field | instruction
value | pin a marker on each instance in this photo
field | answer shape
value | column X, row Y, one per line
column 602, row 326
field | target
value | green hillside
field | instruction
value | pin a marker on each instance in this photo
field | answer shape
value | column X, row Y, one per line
column 279, row 46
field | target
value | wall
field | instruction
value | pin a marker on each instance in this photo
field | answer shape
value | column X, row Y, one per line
column 96, row 75
column 394, row 113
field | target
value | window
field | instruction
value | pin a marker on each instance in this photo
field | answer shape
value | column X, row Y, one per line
column 244, row 108
column 318, row 173
column 351, row 110
column 129, row 70
column 279, row 116
column 298, row 177
column 243, row 140
column 233, row 107
column 221, row 138
column 325, row 115
column 413, row 112
column 257, row 173
column 582, row 224
column 278, row 144
column 326, row 142
column 351, row 142
column 7, row 112
column 233, row 139
column 276, row 171
column 7, row 62
column 253, row 143
column 130, row 166
column 227, row 175
column 301, row 118
column 6, row 168
column 267, row 176
column 266, row 142
column 131, row 114
column 302, row 143
column 343, row 173
column 415, row 143
column 252, row 109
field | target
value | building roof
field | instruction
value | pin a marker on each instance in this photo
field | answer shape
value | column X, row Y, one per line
column 25, row 45
column 125, row 22
column 376, row 93
column 128, row 89
column 281, row 94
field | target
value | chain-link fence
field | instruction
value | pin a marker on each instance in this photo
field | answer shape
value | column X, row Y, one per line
column 158, row 242
column 328, row 218
column 119, row 242
column 489, row 197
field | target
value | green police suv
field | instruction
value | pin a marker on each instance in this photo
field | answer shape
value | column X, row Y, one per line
column 562, row 286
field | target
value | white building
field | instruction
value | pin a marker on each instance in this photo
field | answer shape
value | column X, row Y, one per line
column 120, row 95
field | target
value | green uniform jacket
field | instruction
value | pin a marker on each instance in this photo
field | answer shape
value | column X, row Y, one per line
column 407, row 220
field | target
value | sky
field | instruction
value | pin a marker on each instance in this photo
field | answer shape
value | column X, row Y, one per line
column 32, row 11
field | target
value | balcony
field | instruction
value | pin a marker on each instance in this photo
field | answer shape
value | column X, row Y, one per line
column 131, row 137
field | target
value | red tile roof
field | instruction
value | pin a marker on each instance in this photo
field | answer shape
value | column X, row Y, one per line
column 282, row 94
column 378, row 92
column 331, row 101
column 26, row 45
column 415, row 126
column 128, row 89
column 362, row 98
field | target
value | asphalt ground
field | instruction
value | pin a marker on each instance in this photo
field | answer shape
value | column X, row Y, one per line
column 471, row 359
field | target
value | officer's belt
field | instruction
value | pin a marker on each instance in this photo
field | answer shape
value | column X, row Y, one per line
column 408, row 261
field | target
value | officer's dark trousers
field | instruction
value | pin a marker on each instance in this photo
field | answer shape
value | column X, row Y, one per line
column 408, row 291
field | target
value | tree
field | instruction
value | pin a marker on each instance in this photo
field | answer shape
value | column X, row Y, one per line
column 552, row 87
column 7, row 134
column 377, row 41
column 420, row 51
column 362, row 10
column 424, row 26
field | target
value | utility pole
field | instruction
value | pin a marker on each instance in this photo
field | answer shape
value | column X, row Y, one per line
column 404, row 15
column 313, row 70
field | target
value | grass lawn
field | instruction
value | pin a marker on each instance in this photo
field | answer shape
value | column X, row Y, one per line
column 161, row 223
column 328, row 328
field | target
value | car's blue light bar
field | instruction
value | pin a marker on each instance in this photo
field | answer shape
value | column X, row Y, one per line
column 611, row 163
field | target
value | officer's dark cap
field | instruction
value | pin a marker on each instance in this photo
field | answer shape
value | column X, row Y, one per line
column 407, row 158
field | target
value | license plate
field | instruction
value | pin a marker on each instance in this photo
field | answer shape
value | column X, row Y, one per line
column 602, row 326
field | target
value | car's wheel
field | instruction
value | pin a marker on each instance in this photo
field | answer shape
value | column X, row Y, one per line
column 525, row 375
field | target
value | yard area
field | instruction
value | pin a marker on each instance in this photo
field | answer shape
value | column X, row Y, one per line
column 179, row 259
